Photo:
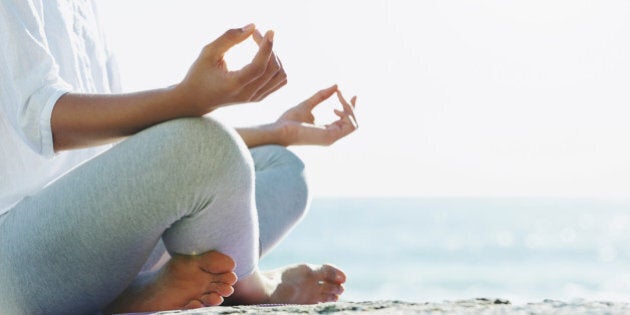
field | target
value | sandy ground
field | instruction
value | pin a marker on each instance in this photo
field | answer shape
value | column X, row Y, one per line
column 473, row 306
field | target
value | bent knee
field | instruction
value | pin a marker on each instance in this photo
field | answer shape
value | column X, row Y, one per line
column 281, row 173
column 277, row 157
column 199, row 148
column 200, row 136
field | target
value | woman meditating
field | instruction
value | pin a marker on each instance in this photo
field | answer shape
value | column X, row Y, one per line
column 136, row 202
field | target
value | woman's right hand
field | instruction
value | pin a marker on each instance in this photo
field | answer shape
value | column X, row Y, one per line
column 209, row 85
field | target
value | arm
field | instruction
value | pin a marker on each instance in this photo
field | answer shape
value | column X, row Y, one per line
column 297, row 125
column 82, row 120
column 86, row 120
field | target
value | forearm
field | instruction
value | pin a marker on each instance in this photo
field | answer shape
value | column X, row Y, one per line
column 262, row 135
column 81, row 120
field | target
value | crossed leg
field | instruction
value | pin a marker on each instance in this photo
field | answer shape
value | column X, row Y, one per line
column 282, row 200
column 77, row 244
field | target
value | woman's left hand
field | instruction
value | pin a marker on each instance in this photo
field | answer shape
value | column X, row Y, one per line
column 298, row 123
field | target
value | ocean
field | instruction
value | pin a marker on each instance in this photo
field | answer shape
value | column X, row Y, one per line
column 436, row 249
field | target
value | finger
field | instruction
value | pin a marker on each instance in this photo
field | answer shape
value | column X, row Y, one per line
column 278, row 80
column 258, row 38
column 320, row 96
column 230, row 38
column 346, row 107
column 339, row 113
column 353, row 101
column 272, row 76
column 258, row 66
column 353, row 123
column 346, row 123
column 261, row 96
column 344, row 103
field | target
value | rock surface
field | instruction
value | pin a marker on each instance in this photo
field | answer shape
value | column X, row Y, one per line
column 473, row 306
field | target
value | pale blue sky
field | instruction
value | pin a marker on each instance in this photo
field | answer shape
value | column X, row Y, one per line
column 456, row 98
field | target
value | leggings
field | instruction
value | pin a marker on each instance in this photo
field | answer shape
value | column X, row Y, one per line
column 185, row 186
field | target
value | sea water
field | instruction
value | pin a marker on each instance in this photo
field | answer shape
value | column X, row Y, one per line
column 434, row 249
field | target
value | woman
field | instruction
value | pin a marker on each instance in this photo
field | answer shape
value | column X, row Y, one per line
column 167, row 217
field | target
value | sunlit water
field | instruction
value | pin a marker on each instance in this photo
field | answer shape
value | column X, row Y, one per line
column 444, row 249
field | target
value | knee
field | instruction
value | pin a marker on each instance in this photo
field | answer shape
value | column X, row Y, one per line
column 278, row 167
column 273, row 157
column 203, row 149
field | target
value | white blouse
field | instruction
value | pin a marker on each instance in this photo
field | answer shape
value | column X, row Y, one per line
column 47, row 48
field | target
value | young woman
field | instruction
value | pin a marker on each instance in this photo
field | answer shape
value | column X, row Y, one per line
column 136, row 202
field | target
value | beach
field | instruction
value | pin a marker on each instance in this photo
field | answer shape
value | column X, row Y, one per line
column 437, row 249
column 470, row 306
column 436, row 256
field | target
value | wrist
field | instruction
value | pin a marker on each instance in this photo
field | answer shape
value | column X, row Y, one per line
column 284, row 132
column 182, row 101
column 262, row 135
column 185, row 98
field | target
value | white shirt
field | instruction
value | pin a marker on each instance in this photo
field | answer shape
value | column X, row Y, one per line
column 47, row 48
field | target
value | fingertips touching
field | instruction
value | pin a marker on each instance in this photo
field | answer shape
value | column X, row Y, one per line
column 248, row 28
column 258, row 38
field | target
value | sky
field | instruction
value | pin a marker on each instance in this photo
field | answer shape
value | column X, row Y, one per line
column 455, row 98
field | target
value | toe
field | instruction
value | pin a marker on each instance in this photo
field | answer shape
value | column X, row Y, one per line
column 193, row 304
column 332, row 274
column 332, row 288
column 220, row 288
column 329, row 298
column 227, row 278
column 215, row 262
column 211, row 299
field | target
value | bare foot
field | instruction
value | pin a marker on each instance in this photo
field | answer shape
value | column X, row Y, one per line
column 298, row 284
column 183, row 282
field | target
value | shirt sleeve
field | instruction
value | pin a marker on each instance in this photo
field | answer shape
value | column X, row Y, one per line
column 30, row 84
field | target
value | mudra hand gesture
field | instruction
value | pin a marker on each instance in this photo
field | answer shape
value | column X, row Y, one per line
column 298, row 123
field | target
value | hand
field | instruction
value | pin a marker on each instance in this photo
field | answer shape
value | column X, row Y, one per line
column 298, row 123
column 209, row 85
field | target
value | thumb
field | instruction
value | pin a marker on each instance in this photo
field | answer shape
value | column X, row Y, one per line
column 230, row 38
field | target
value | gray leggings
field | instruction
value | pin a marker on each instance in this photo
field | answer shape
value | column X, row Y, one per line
column 185, row 186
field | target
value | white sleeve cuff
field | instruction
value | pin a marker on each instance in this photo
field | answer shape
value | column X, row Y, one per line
column 35, row 118
column 47, row 145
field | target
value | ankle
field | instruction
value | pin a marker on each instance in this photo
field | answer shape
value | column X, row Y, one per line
column 253, row 289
